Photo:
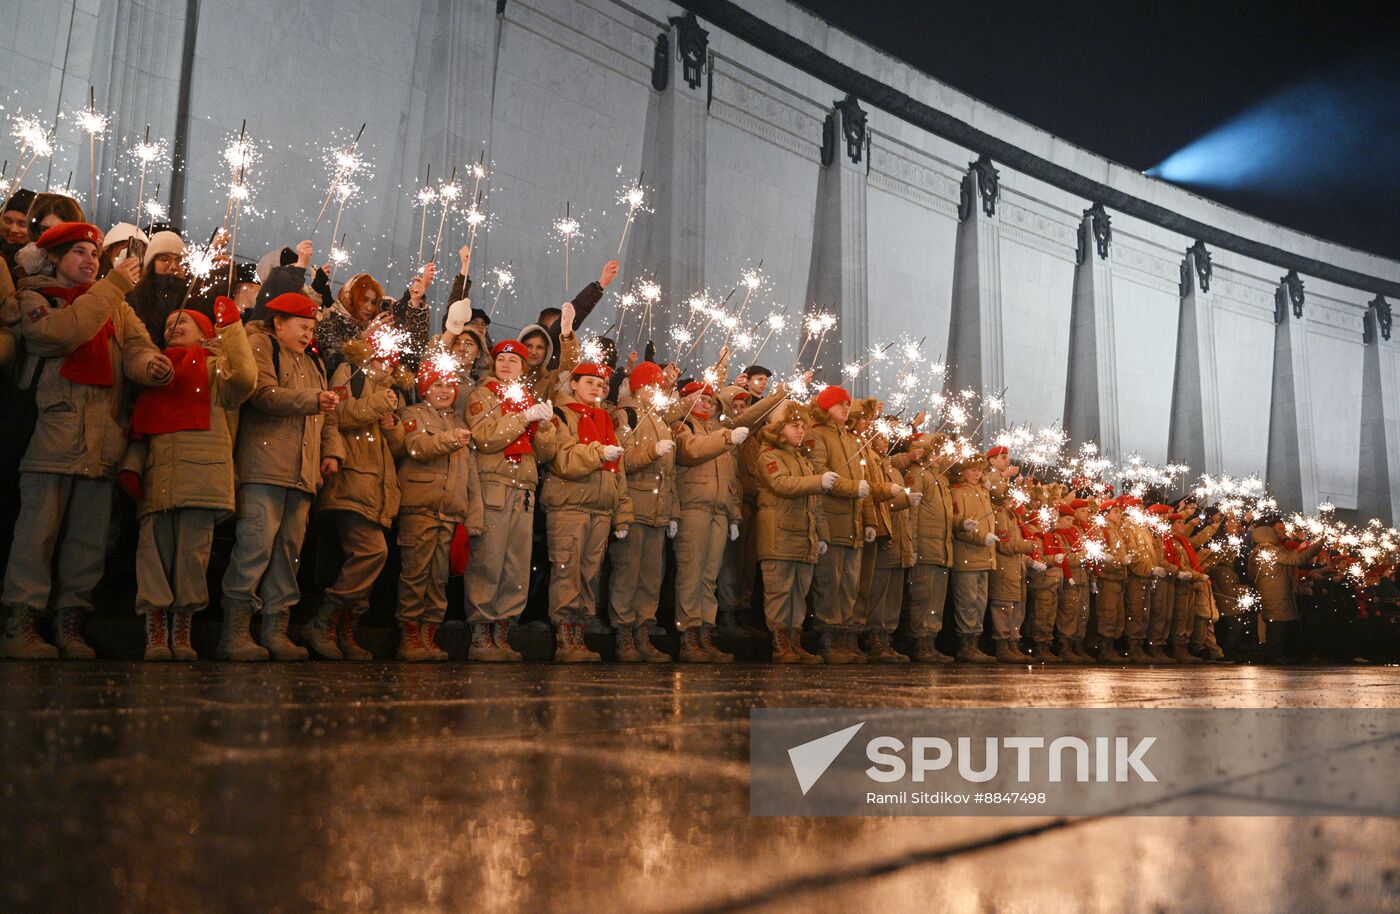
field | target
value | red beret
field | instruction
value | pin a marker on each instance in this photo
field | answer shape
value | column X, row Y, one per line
column 591, row 370
column 1162, row 509
column 293, row 304
column 69, row 232
column 695, row 387
column 1108, row 504
column 205, row 325
column 831, row 396
column 428, row 375
column 1078, row 503
column 997, row 451
column 1065, row 510
column 645, row 374
column 513, row 347
column 1129, row 501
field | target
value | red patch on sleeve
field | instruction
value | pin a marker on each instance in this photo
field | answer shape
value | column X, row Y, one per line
column 411, row 425
column 810, row 442
column 772, row 466
column 476, row 407
column 38, row 312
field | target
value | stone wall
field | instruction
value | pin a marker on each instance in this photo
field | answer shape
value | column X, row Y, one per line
column 1139, row 345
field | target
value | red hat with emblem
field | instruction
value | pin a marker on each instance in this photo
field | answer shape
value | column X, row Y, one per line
column 695, row 387
column 591, row 370
column 293, row 304
column 998, row 451
column 510, row 347
column 831, row 396
column 430, row 374
column 68, row 233
column 1078, row 503
column 645, row 374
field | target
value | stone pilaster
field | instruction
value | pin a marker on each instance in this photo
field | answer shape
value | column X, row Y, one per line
column 1194, row 436
column 1291, row 473
column 838, row 278
column 1091, row 391
column 1378, row 479
column 975, row 350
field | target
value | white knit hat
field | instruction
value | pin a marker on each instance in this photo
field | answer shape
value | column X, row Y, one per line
column 123, row 231
column 163, row 243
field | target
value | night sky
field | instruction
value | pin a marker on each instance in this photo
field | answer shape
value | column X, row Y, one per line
column 1137, row 82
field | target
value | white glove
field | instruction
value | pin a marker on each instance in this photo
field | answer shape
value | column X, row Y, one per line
column 664, row 447
column 620, row 533
column 870, row 534
column 672, row 528
column 1038, row 566
column 829, row 480
column 1159, row 572
column 458, row 313
column 611, row 452
column 540, row 412
column 821, row 547
column 738, row 436
column 733, row 532
column 970, row 525
column 915, row 498
column 990, row 539
column 863, row 489
column 1184, row 575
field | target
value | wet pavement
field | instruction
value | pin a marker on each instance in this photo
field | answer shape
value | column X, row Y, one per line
column 387, row 787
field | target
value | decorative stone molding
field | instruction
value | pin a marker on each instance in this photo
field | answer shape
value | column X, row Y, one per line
column 692, row 42
column 983, row 178
column 852, row 126
column 1289, row 292
column 1097, row 221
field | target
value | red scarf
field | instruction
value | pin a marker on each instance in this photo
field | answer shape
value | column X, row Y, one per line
column 90, row 363
column 525, row 443
column 180, row 406
column 595, row 425
column 1172, row 541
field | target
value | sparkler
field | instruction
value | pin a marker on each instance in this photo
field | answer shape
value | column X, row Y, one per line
column 240, row 155
column 424, row 198
column 635, row 197
column 750, row 280
column 94, row 124
column 651, row 293
column 345, row 190
column 566, row 228
column 34, row 141
column 716, row 313
column 475, row 217
column 145, row 152
column 345, row 163
column 447, row 193
column 816, row 324
column 338, row 256
column 877, row 353
column 776, row 322
column 504, row 280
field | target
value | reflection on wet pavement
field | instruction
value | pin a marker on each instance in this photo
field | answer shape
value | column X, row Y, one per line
column 388, row 787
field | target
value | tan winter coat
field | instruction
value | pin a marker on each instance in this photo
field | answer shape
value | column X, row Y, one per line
column 831, row 447
column 790, row 521
column 575, row 480
column 367, row 483
column 651, row 479
column 1117, row 552
column 282, row 434
column 437, row 476
column 894, row 518
column 707, row 474
column 933, row 518
column 1007, row 582
column 1271, row 569
column 493, row 430
column 81, row 430
column 194, row 468
column 970, row 552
